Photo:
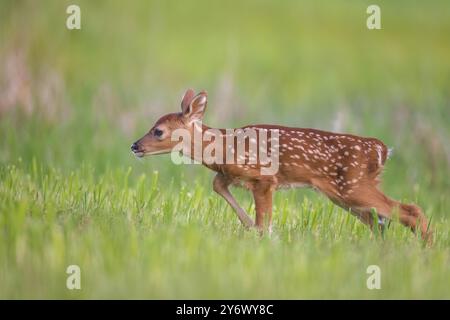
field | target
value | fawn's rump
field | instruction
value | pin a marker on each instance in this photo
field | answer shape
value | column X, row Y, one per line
column 377, row 157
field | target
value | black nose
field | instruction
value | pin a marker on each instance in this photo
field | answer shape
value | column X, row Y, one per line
column 134, row 147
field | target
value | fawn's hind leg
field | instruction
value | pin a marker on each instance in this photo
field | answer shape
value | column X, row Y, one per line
column 220, row 185
column 332, row 192
column 412, row 216
column 365, row 198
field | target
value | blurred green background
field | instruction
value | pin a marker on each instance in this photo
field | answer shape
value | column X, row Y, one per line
column 73, row 101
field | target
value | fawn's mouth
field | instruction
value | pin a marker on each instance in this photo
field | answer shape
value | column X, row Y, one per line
column 141, row 154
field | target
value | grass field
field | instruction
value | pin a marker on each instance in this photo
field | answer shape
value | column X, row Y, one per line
column 72, row 102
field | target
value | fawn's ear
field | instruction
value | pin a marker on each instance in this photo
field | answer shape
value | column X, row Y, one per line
column 196, row 107
column 187, row 98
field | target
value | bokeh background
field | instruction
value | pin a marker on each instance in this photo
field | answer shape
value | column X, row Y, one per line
column 72, row 102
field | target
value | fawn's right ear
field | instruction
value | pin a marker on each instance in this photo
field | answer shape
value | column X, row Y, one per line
column 186, row 101
column 196, row 107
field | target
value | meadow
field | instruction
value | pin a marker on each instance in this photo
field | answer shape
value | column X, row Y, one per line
column 73, row 101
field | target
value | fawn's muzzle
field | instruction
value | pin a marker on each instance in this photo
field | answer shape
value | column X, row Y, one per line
column 135, row 148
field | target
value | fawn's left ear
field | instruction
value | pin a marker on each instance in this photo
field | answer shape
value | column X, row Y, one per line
column 196, row 108
column 187, row 98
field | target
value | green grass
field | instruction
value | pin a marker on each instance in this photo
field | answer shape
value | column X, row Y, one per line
column 157, row 240
column 71, row 192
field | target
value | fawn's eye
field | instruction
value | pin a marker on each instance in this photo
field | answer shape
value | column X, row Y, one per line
column 158, row 133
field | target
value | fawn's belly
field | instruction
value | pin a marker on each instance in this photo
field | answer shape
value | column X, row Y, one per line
column 276, row 182
column 292, row 185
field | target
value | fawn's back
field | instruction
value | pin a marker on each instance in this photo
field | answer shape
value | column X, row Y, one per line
column 307, row 156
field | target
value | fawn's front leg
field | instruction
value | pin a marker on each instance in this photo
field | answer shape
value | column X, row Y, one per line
column 220, row 185
column 262, row 194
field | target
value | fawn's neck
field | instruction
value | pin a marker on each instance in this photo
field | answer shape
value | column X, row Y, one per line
column 199, row 141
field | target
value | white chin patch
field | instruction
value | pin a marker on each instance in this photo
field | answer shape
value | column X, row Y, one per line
column 139, row 154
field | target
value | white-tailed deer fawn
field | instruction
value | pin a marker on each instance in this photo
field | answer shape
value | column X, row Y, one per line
column 344, row 167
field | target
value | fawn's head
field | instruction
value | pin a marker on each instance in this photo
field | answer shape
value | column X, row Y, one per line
column 158, row 139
